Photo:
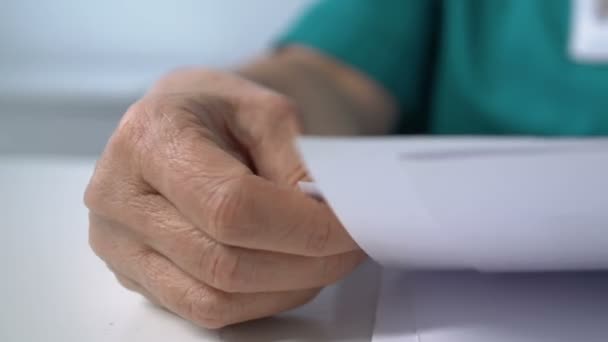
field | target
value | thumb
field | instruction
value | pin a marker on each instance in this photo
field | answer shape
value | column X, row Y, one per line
column 277, row 158
column 273, row 148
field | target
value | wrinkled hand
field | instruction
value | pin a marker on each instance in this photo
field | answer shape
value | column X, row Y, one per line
column 193, row 203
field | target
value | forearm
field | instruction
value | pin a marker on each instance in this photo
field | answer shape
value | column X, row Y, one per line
column 333, row 99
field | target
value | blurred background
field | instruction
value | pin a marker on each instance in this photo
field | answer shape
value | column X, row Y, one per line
column 70, row 68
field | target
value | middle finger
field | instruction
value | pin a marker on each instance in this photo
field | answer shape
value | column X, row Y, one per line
column 229, row 268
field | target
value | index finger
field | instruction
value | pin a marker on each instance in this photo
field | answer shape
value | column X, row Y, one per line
column 222, row 197
column 250, row 212
column 255, row 213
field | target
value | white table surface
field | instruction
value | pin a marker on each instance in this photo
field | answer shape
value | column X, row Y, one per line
column 53, row 288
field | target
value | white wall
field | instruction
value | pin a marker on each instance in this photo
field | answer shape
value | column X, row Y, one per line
column 62, row 61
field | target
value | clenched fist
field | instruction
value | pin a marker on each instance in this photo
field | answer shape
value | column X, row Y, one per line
column 193, row 203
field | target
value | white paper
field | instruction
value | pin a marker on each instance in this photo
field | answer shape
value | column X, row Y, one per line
column 471, row 307
column 469, row 203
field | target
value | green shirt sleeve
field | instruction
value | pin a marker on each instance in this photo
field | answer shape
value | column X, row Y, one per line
column 390, row 41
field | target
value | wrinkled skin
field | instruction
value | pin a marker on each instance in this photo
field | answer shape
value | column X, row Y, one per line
column 193, row 203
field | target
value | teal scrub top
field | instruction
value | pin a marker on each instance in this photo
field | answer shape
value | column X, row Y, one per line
column 466, row 66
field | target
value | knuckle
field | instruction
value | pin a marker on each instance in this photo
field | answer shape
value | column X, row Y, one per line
column 115, row 167
column 150, row 265
column 176, row 124
column 101, row 242
column 281, row 107
column 158, row 128
column 318, row 240
column 105, row 194
column 126, row 283
column 205, row 307
column 224, row 203
column 96, row 241
column 94, row 194
column 132, row 129
column 224, row 270
column 149, row 125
